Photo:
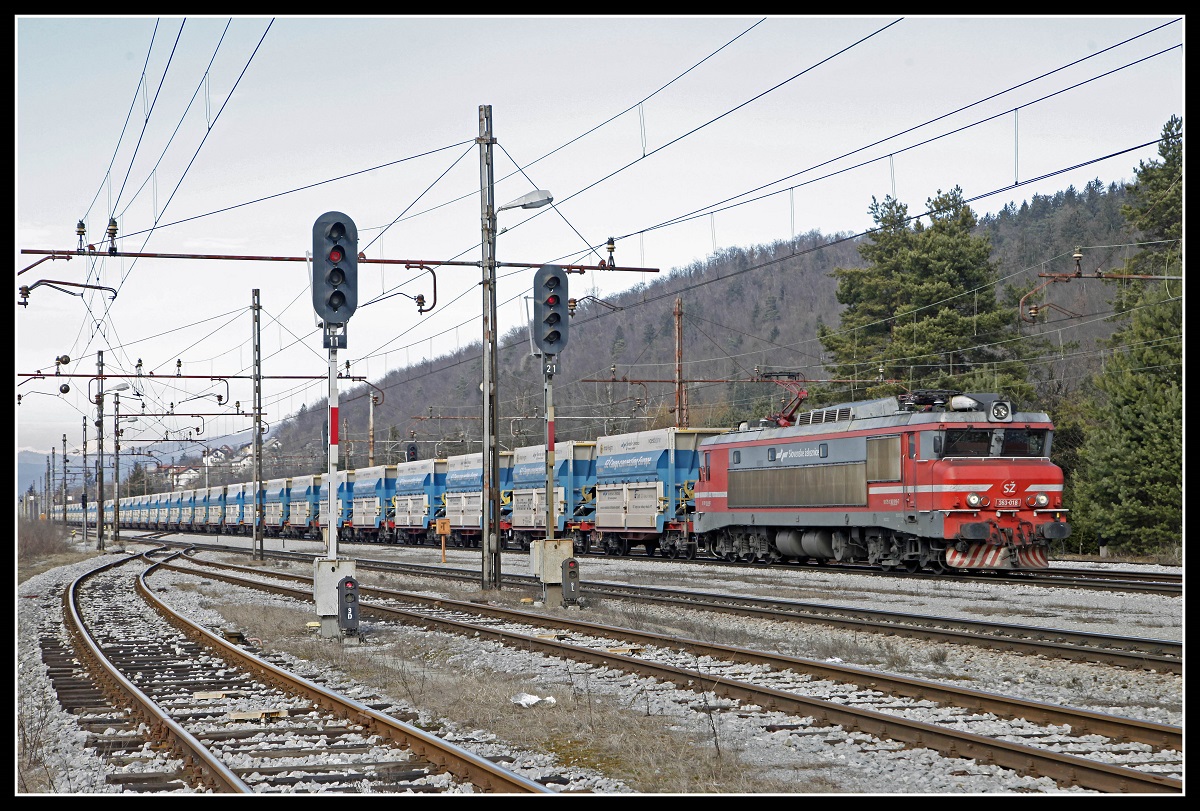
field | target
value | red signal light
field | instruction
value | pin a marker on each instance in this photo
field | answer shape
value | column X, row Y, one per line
column 552, row 299
column 335, row 254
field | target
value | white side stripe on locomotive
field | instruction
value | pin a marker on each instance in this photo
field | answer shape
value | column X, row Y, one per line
column 929, row 488
column 954, row 488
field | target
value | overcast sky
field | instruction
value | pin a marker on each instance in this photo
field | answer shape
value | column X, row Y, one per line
column 677, row 136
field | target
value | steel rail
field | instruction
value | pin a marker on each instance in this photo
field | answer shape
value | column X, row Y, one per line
column 465, row 764
column 197, row 758
column 1064, row 768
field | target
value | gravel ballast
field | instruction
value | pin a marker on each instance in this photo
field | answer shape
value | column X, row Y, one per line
column 850, row 762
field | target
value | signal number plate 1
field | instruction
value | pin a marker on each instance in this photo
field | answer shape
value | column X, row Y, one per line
column 1001, row 503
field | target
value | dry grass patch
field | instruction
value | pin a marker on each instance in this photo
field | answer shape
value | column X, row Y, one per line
column 44, row 545
column 585, row 727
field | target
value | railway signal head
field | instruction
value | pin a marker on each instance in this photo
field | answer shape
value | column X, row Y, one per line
column 550, row 318
column 335, row 267
column 348, row 609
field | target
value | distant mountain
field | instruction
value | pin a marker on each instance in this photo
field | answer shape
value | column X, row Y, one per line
column 31, row 469
column 31, row 465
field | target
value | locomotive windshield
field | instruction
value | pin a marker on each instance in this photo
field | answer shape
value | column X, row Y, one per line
column 999, row 442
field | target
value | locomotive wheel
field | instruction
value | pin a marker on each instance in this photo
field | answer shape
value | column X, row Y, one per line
column 671, row 552
column 912, row 566
column 690, row 554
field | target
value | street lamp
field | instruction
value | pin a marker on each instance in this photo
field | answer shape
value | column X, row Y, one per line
column 491, row 451
column 535, row 199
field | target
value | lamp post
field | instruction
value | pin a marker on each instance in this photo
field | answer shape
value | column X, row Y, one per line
column 117, row 470
column 83, row 507
column 117, row 462
column 64, row 480
column 100, row 454
column 491, row 450
column 117, row 434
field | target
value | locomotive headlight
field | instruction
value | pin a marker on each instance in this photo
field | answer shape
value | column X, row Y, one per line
column 974, row 499
column 1041, row 500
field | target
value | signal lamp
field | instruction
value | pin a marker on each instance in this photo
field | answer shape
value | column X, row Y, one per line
column 335, row 267
column 550, row 327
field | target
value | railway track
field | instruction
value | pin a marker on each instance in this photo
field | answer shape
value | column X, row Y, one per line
column 1161, row 655
column 191, row 711
column 1124, row 580
column 1106, row 753
column 1108, row 580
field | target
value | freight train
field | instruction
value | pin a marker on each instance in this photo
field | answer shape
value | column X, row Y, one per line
column 932, row 480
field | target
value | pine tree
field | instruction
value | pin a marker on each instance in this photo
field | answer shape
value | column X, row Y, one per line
column 924, row 311
column 138, row 481
column 1155, row 209
column 1129, row 485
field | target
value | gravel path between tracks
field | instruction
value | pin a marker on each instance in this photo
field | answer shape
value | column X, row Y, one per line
column 851, row 762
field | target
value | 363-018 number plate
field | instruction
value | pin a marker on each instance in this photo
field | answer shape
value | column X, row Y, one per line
column 1007, row 502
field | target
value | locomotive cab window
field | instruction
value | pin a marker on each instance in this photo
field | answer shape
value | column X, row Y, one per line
column 1023, row 442
column 967, row 442
column 996, row 442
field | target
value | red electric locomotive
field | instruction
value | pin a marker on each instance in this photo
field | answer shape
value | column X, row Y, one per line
column 936, row 480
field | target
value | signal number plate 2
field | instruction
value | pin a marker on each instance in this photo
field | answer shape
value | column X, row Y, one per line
column 1001, row 503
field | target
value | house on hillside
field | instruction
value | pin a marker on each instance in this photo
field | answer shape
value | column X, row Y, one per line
column 242, row 460
column 186, row 477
